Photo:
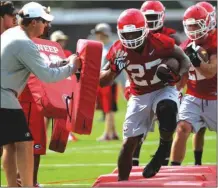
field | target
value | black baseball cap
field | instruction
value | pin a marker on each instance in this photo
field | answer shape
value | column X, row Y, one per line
column 7, row 7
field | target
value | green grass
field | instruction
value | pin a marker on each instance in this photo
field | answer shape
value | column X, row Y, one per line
column 86, row 159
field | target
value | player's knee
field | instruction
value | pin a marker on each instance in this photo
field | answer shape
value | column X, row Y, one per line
column 166, row 113
column 183, row 128
column 201, row 132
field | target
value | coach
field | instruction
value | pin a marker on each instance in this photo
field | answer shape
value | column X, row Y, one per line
column 19, row 58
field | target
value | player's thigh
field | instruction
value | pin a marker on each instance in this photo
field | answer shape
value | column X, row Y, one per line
column 36, row 124
column 38, row 129
column 138, row 117
column 167, row 93
column 13, row 127
column 209, row 114
column 106, row 99
column 190, row 111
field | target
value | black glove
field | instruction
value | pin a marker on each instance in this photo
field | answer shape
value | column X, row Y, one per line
column 192, row 53
column 167, row 75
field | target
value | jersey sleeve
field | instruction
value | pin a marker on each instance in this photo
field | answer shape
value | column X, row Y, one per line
column 111, row 55
column 30, row 57
column 164, row 44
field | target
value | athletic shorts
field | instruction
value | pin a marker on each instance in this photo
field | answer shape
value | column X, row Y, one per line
column 36, row 125
column 107, row 98
column 199, row 113
column 141, row 110
column 13, row 127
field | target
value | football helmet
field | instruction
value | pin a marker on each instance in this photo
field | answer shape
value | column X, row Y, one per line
column 154, row 11
column 211, row 11
column 196, row 22
column 132, row 22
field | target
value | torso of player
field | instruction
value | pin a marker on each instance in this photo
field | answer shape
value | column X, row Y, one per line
column 142, row 67
column 197, row 84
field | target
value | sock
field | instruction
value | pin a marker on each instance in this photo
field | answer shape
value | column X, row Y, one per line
column 173, row 163
column 166, row 160
column 198, row 157
column 135, row 161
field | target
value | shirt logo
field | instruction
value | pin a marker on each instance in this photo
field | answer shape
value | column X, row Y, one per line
column 150, row 53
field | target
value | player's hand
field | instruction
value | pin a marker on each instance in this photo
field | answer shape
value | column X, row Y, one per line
column 167, row 75
column 120, row 61
column 193, row 54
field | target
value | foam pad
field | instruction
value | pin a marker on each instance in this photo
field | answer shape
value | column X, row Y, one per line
column 172, row 176
column 82, row 102
column 151, row 184
column 59, row 136
column 50, row 97
column 174, row 169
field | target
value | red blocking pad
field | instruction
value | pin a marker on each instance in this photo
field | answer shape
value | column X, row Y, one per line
column 176, row 169
column 172, row 176
column 150, row 184
column 59, row 137
column 50, row 97
column 82, row 102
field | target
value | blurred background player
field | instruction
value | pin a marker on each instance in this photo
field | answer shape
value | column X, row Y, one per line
column 107, row 96
column 154, row 12
column 8, row 15
column 199, row 106
column 8, row 19
column 198, row 138
column 59, row 37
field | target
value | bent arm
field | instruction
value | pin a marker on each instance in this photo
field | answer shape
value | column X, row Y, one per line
column 209, row 70
column 107, row 76
column 183, row 59
column 176, row 38
column 30, row 57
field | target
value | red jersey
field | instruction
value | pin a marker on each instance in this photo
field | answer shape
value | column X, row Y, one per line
column 167, row 31
column 197, row 84
column 142, row 67
column 67, row 53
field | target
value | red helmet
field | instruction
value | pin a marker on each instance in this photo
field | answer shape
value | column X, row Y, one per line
column 196, row 22
column 156, row 12
column 211, row 11
column 132, row 21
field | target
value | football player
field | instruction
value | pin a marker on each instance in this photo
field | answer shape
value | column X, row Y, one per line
column 154, row 12
column 139, row 53
column 198, row 138
column 199, row 105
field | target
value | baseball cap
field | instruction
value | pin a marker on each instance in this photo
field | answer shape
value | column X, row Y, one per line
column 36, row 10
column 7, row 7
column 103, row 28
column 58, row 35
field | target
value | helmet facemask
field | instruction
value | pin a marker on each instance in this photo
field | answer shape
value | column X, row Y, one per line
column 212, row 23
column 132, row 43
column 155, row 20
column 195, row 29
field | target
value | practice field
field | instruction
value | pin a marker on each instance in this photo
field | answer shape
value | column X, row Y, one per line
column 86, row 159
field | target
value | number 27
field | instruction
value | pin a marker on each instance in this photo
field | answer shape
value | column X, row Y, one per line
column 141, row 72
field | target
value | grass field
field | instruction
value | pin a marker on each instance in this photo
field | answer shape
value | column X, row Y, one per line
column 86, row 159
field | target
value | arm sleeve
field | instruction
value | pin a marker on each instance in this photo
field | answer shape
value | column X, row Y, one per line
column 30, row 57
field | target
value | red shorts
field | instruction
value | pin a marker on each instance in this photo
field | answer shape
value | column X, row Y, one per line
column 107, row 98
column 36, row 125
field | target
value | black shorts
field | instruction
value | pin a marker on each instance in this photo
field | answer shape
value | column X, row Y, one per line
column 13, row 126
